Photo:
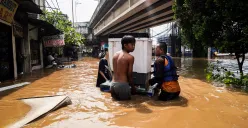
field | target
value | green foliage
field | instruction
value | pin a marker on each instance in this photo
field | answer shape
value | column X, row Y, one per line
column 222, row 75
column 61, row 22
column 216, row 23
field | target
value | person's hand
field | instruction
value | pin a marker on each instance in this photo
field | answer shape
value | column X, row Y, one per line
column 152, row 81
column 133, row 90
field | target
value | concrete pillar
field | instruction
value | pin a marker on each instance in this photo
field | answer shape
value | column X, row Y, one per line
column 41, row 55
column 173, row 46
column 14, row 53
column 209, row 52
column 183, row 50
column 22, row 51
column 27, row 55
column 179, row 54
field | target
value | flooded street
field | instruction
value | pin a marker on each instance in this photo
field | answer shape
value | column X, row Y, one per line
column 200, row 104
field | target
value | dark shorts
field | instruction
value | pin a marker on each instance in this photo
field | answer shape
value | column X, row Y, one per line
column 165, row 96
column 120, row 91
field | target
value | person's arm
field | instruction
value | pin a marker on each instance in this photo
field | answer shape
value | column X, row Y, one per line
column 159, row 72
column 130, row 71
column 114, row 62
column 130, row 75
column 159, row 65
column 102, row 68
column 103, row 75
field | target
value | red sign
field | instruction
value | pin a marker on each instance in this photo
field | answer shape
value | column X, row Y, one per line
column 54, row 41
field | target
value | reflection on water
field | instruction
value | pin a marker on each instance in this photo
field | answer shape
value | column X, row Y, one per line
column 194, row 68
column 199, row 105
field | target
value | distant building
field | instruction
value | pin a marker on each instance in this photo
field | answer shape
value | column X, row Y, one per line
column 167, row 39
column 82, row 28
column 164, row 38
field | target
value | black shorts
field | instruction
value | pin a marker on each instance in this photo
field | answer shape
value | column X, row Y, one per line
column 120, row 91
column 165, row 96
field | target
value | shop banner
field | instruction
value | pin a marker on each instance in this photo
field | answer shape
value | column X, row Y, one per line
column 54, row 41
column 7, row 10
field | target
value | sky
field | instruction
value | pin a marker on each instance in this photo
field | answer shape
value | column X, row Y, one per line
column 82, row 11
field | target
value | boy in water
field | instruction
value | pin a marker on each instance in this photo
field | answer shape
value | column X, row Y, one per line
column 123, row 69
column 165, row 74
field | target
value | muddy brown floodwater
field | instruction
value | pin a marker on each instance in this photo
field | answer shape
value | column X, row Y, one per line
column 200, row 105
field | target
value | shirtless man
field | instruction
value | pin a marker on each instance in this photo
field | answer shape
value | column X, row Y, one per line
column 123, row 69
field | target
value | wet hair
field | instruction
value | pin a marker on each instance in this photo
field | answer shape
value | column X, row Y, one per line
column 126, row 40
column 163, row 46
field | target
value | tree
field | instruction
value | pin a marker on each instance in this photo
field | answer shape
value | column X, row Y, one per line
column 61, row 22
column 186, row 32
column 217, row 23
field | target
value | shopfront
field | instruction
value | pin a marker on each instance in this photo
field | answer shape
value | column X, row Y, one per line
column 6, row 53
column 19, row 46
column 35, row 48
column 7, row 43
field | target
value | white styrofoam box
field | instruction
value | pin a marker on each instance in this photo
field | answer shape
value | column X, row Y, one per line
column 142, row 53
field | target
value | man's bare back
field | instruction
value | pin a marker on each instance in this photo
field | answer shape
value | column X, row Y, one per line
column 123, row 70
column 123, row 67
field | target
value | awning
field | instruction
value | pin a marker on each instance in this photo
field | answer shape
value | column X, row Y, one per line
column 46, row 29
column 29, row 6
column 25, row 7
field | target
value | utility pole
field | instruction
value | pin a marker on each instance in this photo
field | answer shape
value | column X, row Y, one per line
column 77, row 3
column 72, row 2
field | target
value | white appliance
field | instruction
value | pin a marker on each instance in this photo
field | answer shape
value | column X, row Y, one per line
column 142, row 55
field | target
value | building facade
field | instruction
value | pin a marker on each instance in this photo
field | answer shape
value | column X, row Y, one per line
column 82, row 28
column 20, row 41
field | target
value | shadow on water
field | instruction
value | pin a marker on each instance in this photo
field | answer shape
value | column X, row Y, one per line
column 142, row 103
column 192, row 67
column 31, row 77
column 195, row 68
column 180, row 101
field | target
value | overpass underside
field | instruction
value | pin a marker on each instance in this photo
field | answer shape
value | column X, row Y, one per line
column 133, row 15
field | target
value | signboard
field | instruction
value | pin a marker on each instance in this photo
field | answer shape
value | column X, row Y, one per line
column 7, row 10
column 54, row 41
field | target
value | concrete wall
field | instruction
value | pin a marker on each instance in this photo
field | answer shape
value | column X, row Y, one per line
column 146, row 30
column 132, row 2
column 33, row 34
column 14, row 54
column 40, row 3
column 82, row 30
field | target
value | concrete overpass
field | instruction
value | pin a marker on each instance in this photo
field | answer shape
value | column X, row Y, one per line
column 115, row 16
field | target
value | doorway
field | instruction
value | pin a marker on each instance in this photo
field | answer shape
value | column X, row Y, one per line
column 6, row 53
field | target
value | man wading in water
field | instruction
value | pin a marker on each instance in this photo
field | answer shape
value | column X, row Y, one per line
column 123, row 69
column 165, row 74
